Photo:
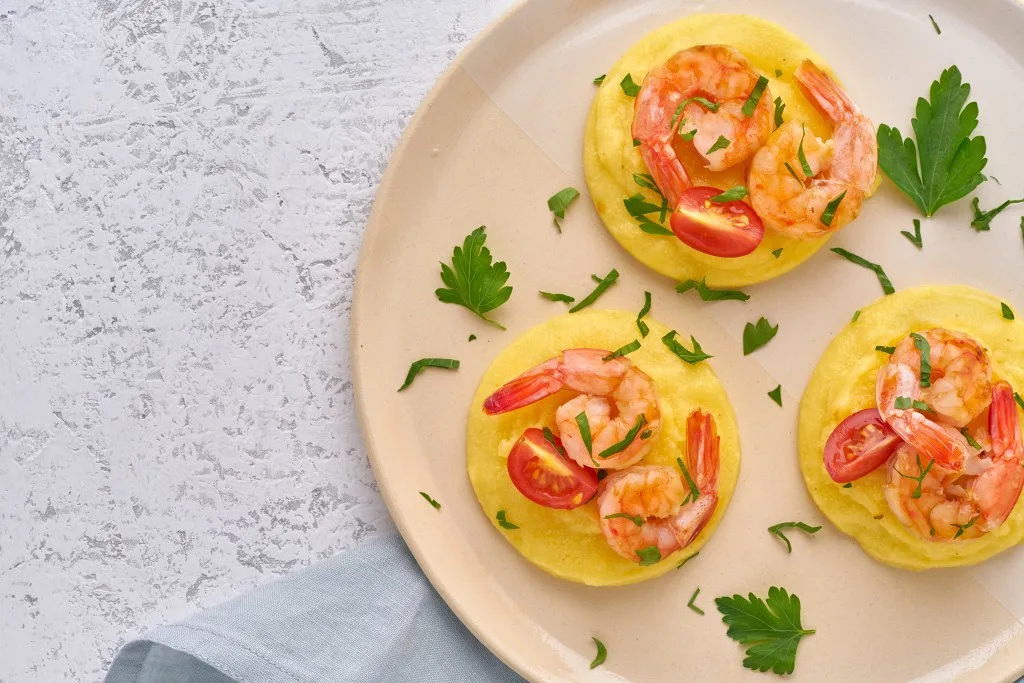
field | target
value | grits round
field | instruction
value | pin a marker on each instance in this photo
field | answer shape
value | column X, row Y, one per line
column 569, row 543
column 610, row 159
column 844, row 382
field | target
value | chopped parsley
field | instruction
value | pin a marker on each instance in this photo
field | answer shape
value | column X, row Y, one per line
column 557, row 445
column 771, row 628
column 691, row 357
column 793, row 172
column 906, row 403
column 935, row 25
column 556, row 296
column 472, row 337
column 600, row 79
column 640, row 324
column 623, row 350
column 629, row 87
column 756, row 335
column 433, row 503
column 603, row 283
column 982, row 219
column 886, row 349
column 733, row 194
column 503, row 521
column 970, row 439
column 755, row 96
column 919, row 478
column 636, row 519
column 1007, row 311
column 914, row 237
column 694, row 493
column 883, row 279
column 423, row 363
column 692, row 606
column 560, row 201
column 584, row 424
column 649, row 555
column 630, row 436
column 707, row 294
column 777, row 529
column 472, row 280
column 777, row 252
column 830, row 209
column 946, row 163
column 847, row 485
column 780, row 107
column 680, row 565
column 602, row 653
column 1018, row 399
column 926, row 358
column 856, row 314
column 721, row 143
column 778, row 73
column 808, row 171
column 961, row 528
column 776, row 395
column 646, row 180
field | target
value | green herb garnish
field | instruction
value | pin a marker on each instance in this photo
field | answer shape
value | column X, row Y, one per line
column 640, row 324
column 646, row 434
column 423, row 363
column 636, row 519
column 776, row 395
column 856, row 314
column 1007, row 311
column 946, row 163
column 771, row 628
column 434, row 503
column 616, row 448
column 550, row 438
column 602, row 653
column 906, row 403
column 935, row 25
column 920, row 478
column 777, row 252
column 560, row 201
column 692, row 606
column 503, row 521
column 472, row 337
column 689, row 135
column 707, row 294
column 792, row 172
column 623, row 350
column 830, row 209
column 708, row 104
column 1018, row 399
column 926, row 358
column 649, row 555
column 721, row 143
column 691, row 357
column 961, row 528
column 777, row 530
column 603, row 283
column 652, row 228
column 970, row 439
column 847, row 485
column 982, row 219
column 733, row 194
column 473, row 281
column 756, row 335
column 915, row 237
column 636, row 143
column 755, row 95
column 630, row 88
column 808, row 171
column 680, row 565
column 646, row 180
column 694, row 493
column 780, row 107
column 556, row 296
column 883, row 279
column 886, row 349
column 584, row 424
column 600, row 79
column 638, row 207
column 778, row 73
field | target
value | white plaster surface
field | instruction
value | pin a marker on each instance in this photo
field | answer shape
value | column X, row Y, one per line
column 183, row 190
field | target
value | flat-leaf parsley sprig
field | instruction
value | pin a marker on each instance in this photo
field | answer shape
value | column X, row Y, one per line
column 770, row 627
column 946, row 163
column 473, row 280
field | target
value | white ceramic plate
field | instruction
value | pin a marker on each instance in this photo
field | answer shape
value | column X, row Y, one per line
column 500, row 133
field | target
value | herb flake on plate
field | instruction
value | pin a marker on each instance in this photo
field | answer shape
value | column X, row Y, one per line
column 423, row 363
column 771, row 628
column 778, row 529
column 756, row 335
column 707, row 294
column 603, row 283
column 692, row 357
column 879, row 272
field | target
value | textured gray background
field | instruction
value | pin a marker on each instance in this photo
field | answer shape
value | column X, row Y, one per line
column 183, row 188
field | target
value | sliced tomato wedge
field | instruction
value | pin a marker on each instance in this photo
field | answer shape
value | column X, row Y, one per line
column 728, row 230
column 543, row 474
column 860, row 443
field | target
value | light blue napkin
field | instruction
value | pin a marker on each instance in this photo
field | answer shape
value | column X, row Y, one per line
column 366, row 615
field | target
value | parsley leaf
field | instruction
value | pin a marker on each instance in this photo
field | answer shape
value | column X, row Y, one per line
column 721, row 143
column 806, row 167
column 883, row 279
column 906, row 403
column 950, row 160
column 983, row 219
column 777, row 252
column 915, row 237
column 691, row 357
column 694, row 493
column 772, row 628
column 692, row 606
column 600, row 79
column 780, row 107
column 776, row 395
column 616, row 448
column 603, row 283
column 935, row 25
column 856, row 315
column 584, row 424
column 560, row 201
column 623, row 350
column 649, row 555
column 830, row 209
column 646, row 180
column 602, row 653
column 731, row 195
column 886, row 349
column 970, row 439
column 423, row 363
column 640, row 324
column 503, row 521
column 629, row 87
column 556, row 296
column 473, row 281
column 472, row 337
column 638, row 207
column 756, row 335
column 1018, row 399
column 777, row 530
column 1007, row 311
column 922, row 472
column 755, row 96
column 636, row 519
column 680, row 565
column 707, row 294
column 926, row 358
column 555, row 443
column 434, row 503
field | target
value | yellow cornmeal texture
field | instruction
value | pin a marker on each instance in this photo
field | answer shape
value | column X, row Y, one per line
column 610, row 159
column 844, row 382
column 569, row 543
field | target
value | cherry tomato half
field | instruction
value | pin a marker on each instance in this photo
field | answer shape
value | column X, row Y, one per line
column 728, row 230
column 545, row 476
column 858, row 445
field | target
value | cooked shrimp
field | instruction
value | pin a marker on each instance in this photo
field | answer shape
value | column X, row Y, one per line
column 619, row 400
column 949, row 504
column 845, row 164
column 960, row 388
column 670, row 515
column 717, row 73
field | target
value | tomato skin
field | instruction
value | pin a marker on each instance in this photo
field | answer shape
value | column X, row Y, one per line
column 547, row 477
column 728, row 230
column 866, row 437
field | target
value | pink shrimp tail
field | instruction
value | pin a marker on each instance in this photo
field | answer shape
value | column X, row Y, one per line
column 1003, row 424
column 998, row 488
column 702, row 445
column 668, row 172
column 530, row 387
column 824, row 93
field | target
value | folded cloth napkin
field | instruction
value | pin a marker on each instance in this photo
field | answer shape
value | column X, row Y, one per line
column 365, row 615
